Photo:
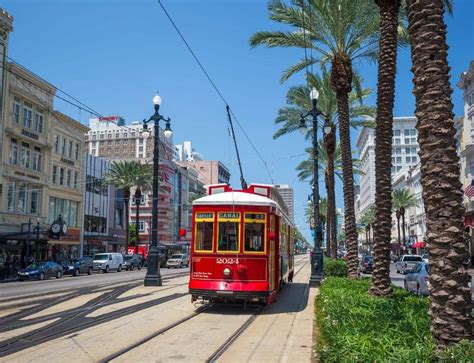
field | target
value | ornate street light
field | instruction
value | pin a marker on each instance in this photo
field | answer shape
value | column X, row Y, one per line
column 153, row 276
column 317, row 253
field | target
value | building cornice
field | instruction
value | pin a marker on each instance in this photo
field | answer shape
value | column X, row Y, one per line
column 466, row 76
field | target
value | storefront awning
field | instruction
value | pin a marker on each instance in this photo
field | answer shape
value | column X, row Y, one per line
column 419, row 244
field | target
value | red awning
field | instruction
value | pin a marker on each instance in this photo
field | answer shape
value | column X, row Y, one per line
column 419, row 244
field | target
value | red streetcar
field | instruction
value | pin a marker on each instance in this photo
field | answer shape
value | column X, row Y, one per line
column 242, row 245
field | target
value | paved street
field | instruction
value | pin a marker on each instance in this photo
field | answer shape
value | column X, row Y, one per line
column 21, row 288
column 105, row 319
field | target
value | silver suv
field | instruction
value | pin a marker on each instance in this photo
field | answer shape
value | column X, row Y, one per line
column 178, row 260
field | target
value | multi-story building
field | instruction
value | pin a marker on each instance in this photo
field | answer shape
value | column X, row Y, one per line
column 210, row 171
column 110, row 139
column 466, row 84
column 286, row 193
column 186, row 152
column 104, row 223
column 404, row 154
column 66, row 173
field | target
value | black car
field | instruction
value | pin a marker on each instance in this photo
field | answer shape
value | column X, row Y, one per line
column 131, row 262
column 40, row 271
column 366, row 265
column 79, row 266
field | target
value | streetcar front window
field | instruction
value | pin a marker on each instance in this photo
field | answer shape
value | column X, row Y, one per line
column 254, row 237
column 204, row 236
column 228, row 238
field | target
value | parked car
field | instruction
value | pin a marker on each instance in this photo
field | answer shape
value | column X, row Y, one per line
column 108, row 261
column 131, row 262
column 407, row 262
column 425, row 258
column 393, row 257
column 78, row 266
column 40, row 271
column 417, row 279
column 366, row 265
column 178, row 260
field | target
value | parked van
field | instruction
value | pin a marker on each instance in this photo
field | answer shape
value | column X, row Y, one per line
column 108, row 261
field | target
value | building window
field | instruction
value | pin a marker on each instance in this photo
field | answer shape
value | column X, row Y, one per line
column 94, row 137
column 77, row 151
column 133, row 133
column 11, row 196
column 13, row 152
column 61, row 176
column 109, row 136
column 25, row 155
column 70, row 148
column 56, row 144
column 86, row 137
column 399, row 168
column 34, row 200
column 16, row 110
column 101, row 137
column 63, row 148
column 94, row 152
column 413, row 132
column 69, row 178
column 27, row 115
column 396, row 133
column 399, row 159
column 39, row 121
column 413, row 159
column 397, row 141
column 407, row 150
column 66, row 208
column 406, row 132
column 398, row 151
column 141, row 226
column 413, row 150
column 140, row 155
column 55, row 174
column 76, row 179
column 408, row 159
column 125, row 134
column 22, row 197
column 37, row 159
column 140, row 148
column 140, row 141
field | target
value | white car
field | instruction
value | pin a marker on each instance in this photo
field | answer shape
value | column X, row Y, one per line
column 108, row 261
column 407, row 262
column 178, row 260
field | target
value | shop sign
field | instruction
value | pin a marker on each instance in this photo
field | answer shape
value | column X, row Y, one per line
column 67, row 161
column 27, row 175
column 29, row 134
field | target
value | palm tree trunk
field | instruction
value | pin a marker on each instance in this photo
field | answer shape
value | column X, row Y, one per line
column 126, row 201
column 398, row 230
column 402, row 213
column 329, row 220
column 330, row 145
column 442, row 193
column 381, row 283
column 341, row 82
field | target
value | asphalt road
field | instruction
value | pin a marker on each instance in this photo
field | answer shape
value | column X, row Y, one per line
column 19, row 288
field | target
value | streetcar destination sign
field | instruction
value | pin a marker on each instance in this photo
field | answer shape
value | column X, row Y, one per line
column 204, row 215
column 230, row 215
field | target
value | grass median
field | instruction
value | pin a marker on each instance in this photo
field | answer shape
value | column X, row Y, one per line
column 353, row 326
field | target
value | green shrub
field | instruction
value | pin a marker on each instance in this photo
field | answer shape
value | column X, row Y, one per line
column 335, row 268
column 354, row 326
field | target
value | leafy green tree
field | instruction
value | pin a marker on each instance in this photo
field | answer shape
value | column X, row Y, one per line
column 340, row 32
column 128, row 174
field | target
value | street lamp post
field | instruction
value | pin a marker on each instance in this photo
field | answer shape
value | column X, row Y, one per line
column 317, row 253
column 138, row 197
column 153, row 276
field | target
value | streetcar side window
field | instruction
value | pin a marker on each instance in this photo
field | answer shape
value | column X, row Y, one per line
column 254, row 232
column 204, row 236
column 228, row 231
column 204, row 232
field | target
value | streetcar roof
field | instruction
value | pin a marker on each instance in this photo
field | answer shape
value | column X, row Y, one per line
column 236, row 198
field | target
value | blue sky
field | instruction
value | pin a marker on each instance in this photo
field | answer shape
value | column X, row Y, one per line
column 113, row 55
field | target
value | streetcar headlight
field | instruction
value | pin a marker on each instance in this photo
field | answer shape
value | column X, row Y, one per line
column 226, row 271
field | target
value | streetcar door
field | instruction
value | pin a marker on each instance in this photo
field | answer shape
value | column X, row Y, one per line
column 271, row 254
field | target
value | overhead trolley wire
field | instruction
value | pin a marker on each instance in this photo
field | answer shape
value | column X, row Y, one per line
column 215, row 87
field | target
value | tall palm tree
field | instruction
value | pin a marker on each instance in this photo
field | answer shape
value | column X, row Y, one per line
column 442, row 191
column 127, row 174
column 340, row 32
column 402, row 199
column 389, row 22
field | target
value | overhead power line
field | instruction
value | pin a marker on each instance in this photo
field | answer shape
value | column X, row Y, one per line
column 215, row 87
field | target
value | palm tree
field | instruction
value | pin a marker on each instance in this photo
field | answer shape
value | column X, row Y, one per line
column 323, row 212
column 367, row 219
column 402, row 199
column 442, row 191
column 389, row 21
column 340, row 32
column 127, row 174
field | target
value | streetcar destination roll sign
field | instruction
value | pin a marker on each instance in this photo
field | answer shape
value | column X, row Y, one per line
column 204, row 215
column 229, row 215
